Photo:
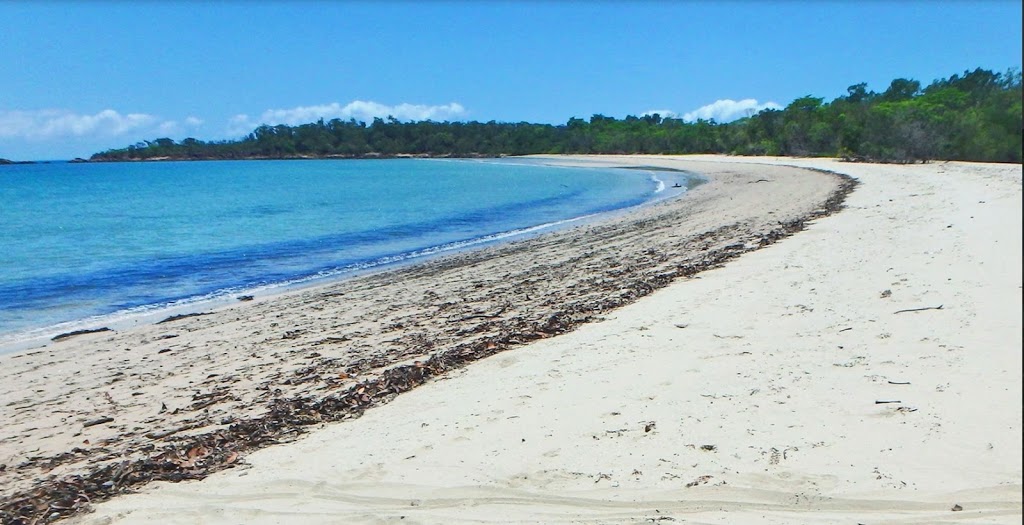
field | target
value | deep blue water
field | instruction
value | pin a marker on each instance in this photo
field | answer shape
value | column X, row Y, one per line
column 83, row 241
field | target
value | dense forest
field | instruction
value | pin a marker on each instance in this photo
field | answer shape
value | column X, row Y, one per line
column 975, row 116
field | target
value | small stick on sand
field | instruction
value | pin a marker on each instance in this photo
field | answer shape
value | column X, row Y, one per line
column 939, row 307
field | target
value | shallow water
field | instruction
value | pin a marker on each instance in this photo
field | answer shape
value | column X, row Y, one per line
column 80, row 242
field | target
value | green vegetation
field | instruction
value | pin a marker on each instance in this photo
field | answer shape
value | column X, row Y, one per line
column 976, row 116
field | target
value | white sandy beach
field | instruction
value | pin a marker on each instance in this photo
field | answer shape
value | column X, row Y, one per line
column 746, row 394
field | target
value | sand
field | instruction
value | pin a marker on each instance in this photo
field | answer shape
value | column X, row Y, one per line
column 744, row 394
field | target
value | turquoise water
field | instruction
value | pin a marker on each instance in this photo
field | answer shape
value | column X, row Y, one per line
column 83, row 241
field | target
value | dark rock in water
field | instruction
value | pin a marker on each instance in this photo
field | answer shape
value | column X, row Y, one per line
column 69, row 335
column 9, row 161
column 77, row 160
column 245, row 298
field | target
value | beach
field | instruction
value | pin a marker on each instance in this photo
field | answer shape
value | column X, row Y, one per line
column 748, row 353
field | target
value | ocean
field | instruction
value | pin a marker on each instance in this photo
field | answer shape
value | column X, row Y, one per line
column 85, row 244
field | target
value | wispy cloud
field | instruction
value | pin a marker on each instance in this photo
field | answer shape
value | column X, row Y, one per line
column 57, row 123
column 727, row 110
column 361, row 110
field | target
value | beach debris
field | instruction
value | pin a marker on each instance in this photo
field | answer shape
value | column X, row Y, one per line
column 882, row 402
column 681, row 325
column 708, row 448
column 886, row 294
column 245, row 298
column 98, row 421
column 855, row 361
column 480, row 315
column 956, row 508
column 649, row 426
column 68, row 335
column 164, row 433
column 899, row 382
column 939, row 307
column 182, row 316
column 701, row 480
column 846, row 329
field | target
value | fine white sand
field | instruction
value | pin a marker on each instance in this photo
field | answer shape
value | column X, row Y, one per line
column 747, row 394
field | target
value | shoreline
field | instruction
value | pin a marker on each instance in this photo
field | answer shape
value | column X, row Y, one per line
column 27, row 339
column 146, row 379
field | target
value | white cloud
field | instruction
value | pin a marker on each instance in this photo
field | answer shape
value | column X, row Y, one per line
column 240, row 125
column 727, row 110
column 360, row 110
column 55, row 123
column 173, row 127
column 169, row 127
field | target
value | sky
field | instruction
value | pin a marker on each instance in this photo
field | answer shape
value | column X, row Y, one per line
column 81, row 77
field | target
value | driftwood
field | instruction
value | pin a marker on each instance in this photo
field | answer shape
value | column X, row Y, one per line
column 181, row 316
column 68, row 335
column 939, row 307
column 99, row 421
column 884, row 402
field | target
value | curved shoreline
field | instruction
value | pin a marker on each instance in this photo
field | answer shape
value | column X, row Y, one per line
column 27, row 338
column 263, row 363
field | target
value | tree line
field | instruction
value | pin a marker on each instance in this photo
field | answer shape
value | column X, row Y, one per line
column 975, row 116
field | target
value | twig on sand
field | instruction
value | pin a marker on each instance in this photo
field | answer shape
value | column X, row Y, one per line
column 481, row 316
column 939, row 307
column 69, row 335
column 182, row 316
column 884, row 402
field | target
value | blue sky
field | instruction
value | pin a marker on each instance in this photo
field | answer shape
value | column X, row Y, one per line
column 80, row 77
